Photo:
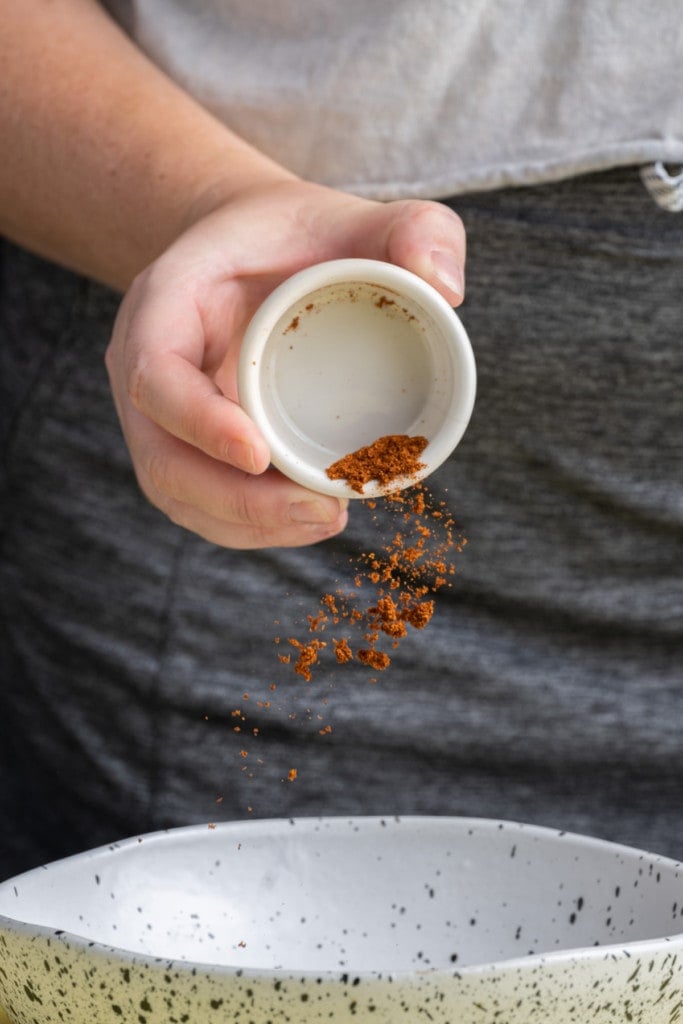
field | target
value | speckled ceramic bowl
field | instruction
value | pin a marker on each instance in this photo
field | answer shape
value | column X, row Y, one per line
column 456, row 921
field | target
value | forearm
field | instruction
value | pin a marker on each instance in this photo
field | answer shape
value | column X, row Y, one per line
column 105, row 159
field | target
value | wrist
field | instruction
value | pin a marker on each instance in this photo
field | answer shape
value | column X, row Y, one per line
column 225, row 178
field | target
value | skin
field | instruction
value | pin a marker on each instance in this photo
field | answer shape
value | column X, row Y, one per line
column 113, row 171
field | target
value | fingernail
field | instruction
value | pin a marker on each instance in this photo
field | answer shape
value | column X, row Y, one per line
column 448, row 270
column 241, row 456
column 315, row 511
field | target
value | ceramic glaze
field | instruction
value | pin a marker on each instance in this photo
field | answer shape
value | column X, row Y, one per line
column 346, row 352
column 371, row 919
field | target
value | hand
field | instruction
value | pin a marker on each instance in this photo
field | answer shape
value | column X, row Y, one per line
column 173, row 355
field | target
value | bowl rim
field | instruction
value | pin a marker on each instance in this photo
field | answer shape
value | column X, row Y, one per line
column 637, row 947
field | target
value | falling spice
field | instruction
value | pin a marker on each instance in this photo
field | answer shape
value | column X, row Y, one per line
column 308, row 656
column 342, row 651
column 391, row 590
column 386, row 460
column 375, row 659
column 405, row 573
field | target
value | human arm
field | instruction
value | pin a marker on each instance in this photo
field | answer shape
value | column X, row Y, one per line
column 116, row 172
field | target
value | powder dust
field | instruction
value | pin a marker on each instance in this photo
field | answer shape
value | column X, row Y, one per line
column 394, row 587
column 391, row 590
column 403, row 574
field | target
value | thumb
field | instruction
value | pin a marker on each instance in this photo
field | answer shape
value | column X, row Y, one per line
column 429, row 239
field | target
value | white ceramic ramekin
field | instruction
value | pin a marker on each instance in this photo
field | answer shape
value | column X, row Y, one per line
column 346, row 352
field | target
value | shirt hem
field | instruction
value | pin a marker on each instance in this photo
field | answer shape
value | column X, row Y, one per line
column 503, row 175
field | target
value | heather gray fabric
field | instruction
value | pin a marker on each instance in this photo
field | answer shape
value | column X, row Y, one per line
column 548, row 687
column 430, row 99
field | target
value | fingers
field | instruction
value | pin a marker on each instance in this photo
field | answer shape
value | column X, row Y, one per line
column 157, row 357
column 197, row 456
column 225, row 505
column 249, row 537
column 182, row 400
column 429, row 239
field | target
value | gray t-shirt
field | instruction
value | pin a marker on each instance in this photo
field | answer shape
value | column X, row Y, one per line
column 399, row 98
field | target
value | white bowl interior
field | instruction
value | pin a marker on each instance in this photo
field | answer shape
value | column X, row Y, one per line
column 329, row 370
column 364, row 894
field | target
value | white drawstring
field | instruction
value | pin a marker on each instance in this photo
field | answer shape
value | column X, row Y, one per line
column 666, row 189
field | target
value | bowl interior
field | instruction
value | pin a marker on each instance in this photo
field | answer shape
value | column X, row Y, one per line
column 365, row 894
column 352, row 361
